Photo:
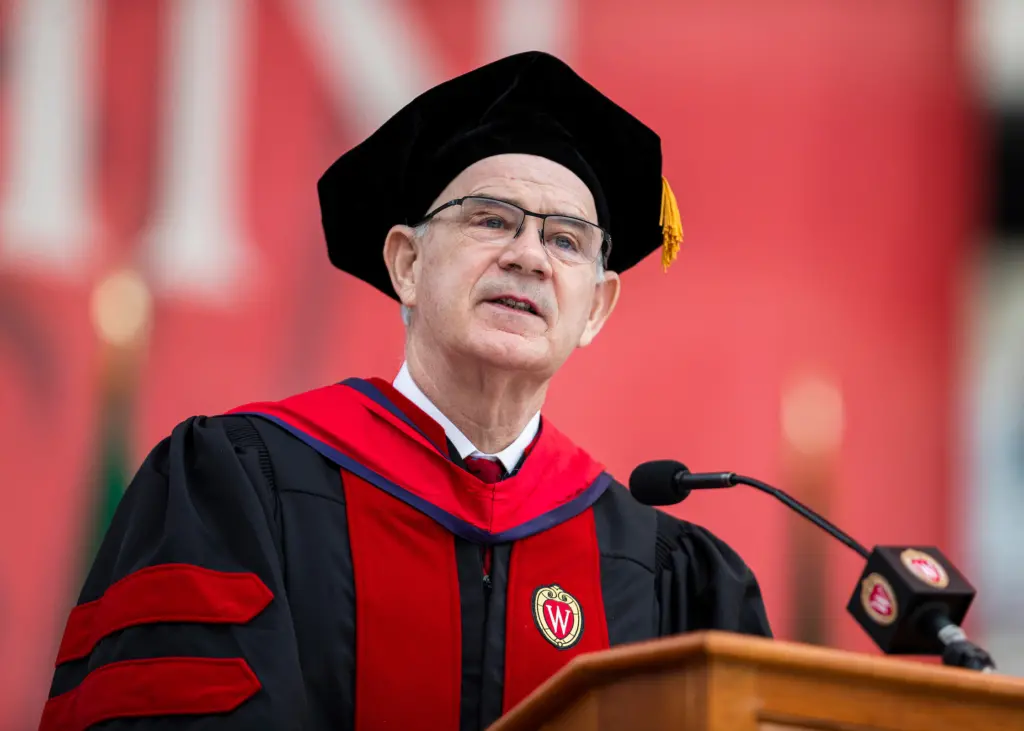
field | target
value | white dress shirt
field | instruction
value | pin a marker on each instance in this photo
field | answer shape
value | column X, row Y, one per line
column 509, row 456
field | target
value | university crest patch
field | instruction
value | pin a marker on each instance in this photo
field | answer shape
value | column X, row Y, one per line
column 925, row 568
column 558, row 615
column 878, row 599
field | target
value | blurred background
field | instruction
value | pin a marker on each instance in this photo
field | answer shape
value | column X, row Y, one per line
column 846, row 318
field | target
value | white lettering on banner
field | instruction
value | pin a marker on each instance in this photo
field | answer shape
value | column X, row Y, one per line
column 373, row 54
column 559, row 621
column 46, row 215
column 514, row 26
column 375, row 58
column 195, row 245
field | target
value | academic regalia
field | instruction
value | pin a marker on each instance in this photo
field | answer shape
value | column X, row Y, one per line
column 317, row 564
column 328, row 562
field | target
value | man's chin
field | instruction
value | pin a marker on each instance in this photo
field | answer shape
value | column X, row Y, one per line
column 513, row 351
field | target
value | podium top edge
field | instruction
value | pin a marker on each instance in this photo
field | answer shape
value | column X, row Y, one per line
column 716, row 649
column 711, row 645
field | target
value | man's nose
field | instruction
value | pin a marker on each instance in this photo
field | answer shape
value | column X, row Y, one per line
column 526, row 252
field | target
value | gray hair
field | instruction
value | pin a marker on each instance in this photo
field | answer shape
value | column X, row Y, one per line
column 421, row 230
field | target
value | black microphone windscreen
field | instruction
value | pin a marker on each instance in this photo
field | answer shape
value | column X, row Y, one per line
column 654, row 483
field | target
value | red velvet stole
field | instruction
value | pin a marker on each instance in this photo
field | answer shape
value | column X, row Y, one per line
column 356, row 426
column 405, row 499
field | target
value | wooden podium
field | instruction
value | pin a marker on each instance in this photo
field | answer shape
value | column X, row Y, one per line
column 717, row 681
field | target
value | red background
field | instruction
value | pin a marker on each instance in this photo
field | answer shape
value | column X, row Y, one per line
column 823, row 159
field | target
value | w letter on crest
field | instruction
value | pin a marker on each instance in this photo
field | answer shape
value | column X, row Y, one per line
column 558, row 615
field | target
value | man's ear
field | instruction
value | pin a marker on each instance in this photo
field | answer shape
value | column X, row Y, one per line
column 606, row 295
column 401, row 254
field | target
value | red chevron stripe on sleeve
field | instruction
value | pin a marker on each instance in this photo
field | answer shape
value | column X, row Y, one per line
column 153, row 687
column 164, row 593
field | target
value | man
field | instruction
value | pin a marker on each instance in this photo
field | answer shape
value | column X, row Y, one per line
column 422, row 554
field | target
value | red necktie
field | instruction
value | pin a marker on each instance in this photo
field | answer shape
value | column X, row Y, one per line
column 489, row 471
column 486, row 470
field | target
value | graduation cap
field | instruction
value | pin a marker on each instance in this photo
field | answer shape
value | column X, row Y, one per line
column 530, row 103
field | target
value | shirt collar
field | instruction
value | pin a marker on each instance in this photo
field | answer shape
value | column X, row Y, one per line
column 509, row 456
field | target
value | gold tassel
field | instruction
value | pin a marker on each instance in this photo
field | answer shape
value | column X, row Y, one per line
column 671, row 226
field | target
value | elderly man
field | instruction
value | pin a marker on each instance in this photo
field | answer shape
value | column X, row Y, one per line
column 419, row 554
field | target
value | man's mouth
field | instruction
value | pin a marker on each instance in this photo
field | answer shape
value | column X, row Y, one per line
column 514, row 303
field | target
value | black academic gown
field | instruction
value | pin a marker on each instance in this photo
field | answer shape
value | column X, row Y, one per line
column 239, row 495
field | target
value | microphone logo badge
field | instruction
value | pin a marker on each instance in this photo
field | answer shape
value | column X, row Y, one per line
column 925, row 568
column 879, row 599
column 558, row 615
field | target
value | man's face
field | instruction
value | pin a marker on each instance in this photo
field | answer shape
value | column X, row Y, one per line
column 455, row 282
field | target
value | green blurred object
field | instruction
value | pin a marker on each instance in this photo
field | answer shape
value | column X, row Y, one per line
column 111, row 471
column 112, row 476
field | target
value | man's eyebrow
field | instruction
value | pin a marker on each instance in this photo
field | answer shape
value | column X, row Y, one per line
column 576, row 212
column 514, row 200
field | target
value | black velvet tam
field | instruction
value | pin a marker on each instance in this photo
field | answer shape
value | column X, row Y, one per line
column 530, row 103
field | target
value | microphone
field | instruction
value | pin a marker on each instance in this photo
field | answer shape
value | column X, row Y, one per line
column 909, row 599
column 667, row 482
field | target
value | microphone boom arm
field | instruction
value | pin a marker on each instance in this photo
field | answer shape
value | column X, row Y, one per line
column 687, row 480
column 666, row 482
column 806, row 512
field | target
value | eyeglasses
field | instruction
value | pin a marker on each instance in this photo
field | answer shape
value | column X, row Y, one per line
column 566, row 238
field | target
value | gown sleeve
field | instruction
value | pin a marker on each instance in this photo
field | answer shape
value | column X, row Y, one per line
column 703, row 584
column 183, row 622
